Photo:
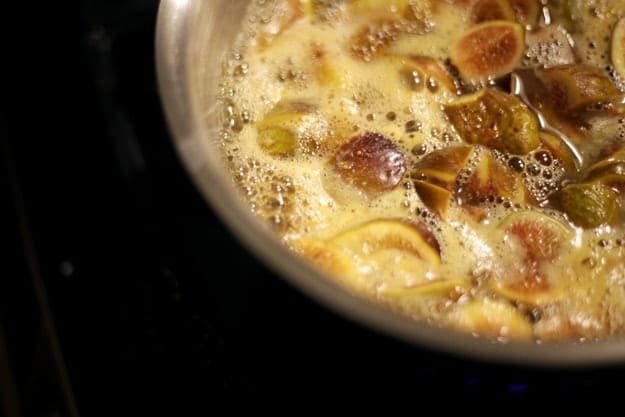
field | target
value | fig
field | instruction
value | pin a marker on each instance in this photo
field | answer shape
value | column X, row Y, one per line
column 285, row 13
column 374, row 38
column 326, row 73
column 436, row 198
column 541, row 238
column 437, row 287
column 617, row 46
column 493, row 319
column 420, row 71
column 441, row 167
column 328, row 259
column 548, row 46
column 540, row 235
column 609, row 171
column 390, row 234
column 587, row 205
column 491, row 178
column 326, row 10
column 277, row 141
column 488, row 51
column 370, row 162
column 418, row 16
column 291, row 126
column 526, row 11
column 496, row 120
column 575, row 87
column 485, row 10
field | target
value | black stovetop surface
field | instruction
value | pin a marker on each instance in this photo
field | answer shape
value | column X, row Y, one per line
column 125, row 294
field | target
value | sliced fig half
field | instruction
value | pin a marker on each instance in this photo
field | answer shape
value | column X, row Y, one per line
column 617, row 52
column 491, row 178
column 494, row 319
column 587, row 205
column 488, row 50
column 442, row 167
column 495, row 119
column 390, row 234
column 421, row 71
column 574, row 87
column 435, row 198
column 540, row 238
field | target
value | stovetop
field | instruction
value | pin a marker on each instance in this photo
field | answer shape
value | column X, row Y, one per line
column 124, row 292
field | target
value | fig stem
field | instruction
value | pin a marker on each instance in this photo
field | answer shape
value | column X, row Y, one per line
column 518, row 89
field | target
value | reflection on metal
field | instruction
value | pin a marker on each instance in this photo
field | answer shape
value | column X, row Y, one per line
column 517, row 88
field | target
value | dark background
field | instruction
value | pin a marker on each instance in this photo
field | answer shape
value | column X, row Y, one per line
column 123, row 294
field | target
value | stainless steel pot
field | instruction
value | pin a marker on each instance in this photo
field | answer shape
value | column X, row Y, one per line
column 192, row 36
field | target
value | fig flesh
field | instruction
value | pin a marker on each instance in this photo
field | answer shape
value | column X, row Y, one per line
column 488, row 50
column 496, row 120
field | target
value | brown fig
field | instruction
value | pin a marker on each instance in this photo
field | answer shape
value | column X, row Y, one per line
column 370, row 162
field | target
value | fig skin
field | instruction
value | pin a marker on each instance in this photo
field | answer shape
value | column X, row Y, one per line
column 418, row 69
column 491, row 178
column 496, row 120
column 485, row 10
column 573, row 88
column 441, row 167
column 617, row 48
column 435, row 176
column 488, row 50
column 587, row 205
column 436, row 198
column 370, row 162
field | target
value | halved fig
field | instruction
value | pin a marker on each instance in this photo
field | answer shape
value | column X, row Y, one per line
column 574, row 87
column 421, row 71
column 390, row 234
column 492, row 319
column 329, row 259
column 526, row 11
column 617, row 45
column 277, row 141
column 548, row 46
column 435, row 198
column 326, row 10
column 437, row 287
column 418, row 16
column 541, row 239
column 441, row 167
column 495, row 119
column 374, row 38
column 488, row 50
column 485, row 10
column 609, row 171
column 370, row 162
column 587, row 205
column 491, row 178
column 291, row 126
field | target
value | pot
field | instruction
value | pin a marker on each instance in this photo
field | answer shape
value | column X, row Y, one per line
column 192, row 37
